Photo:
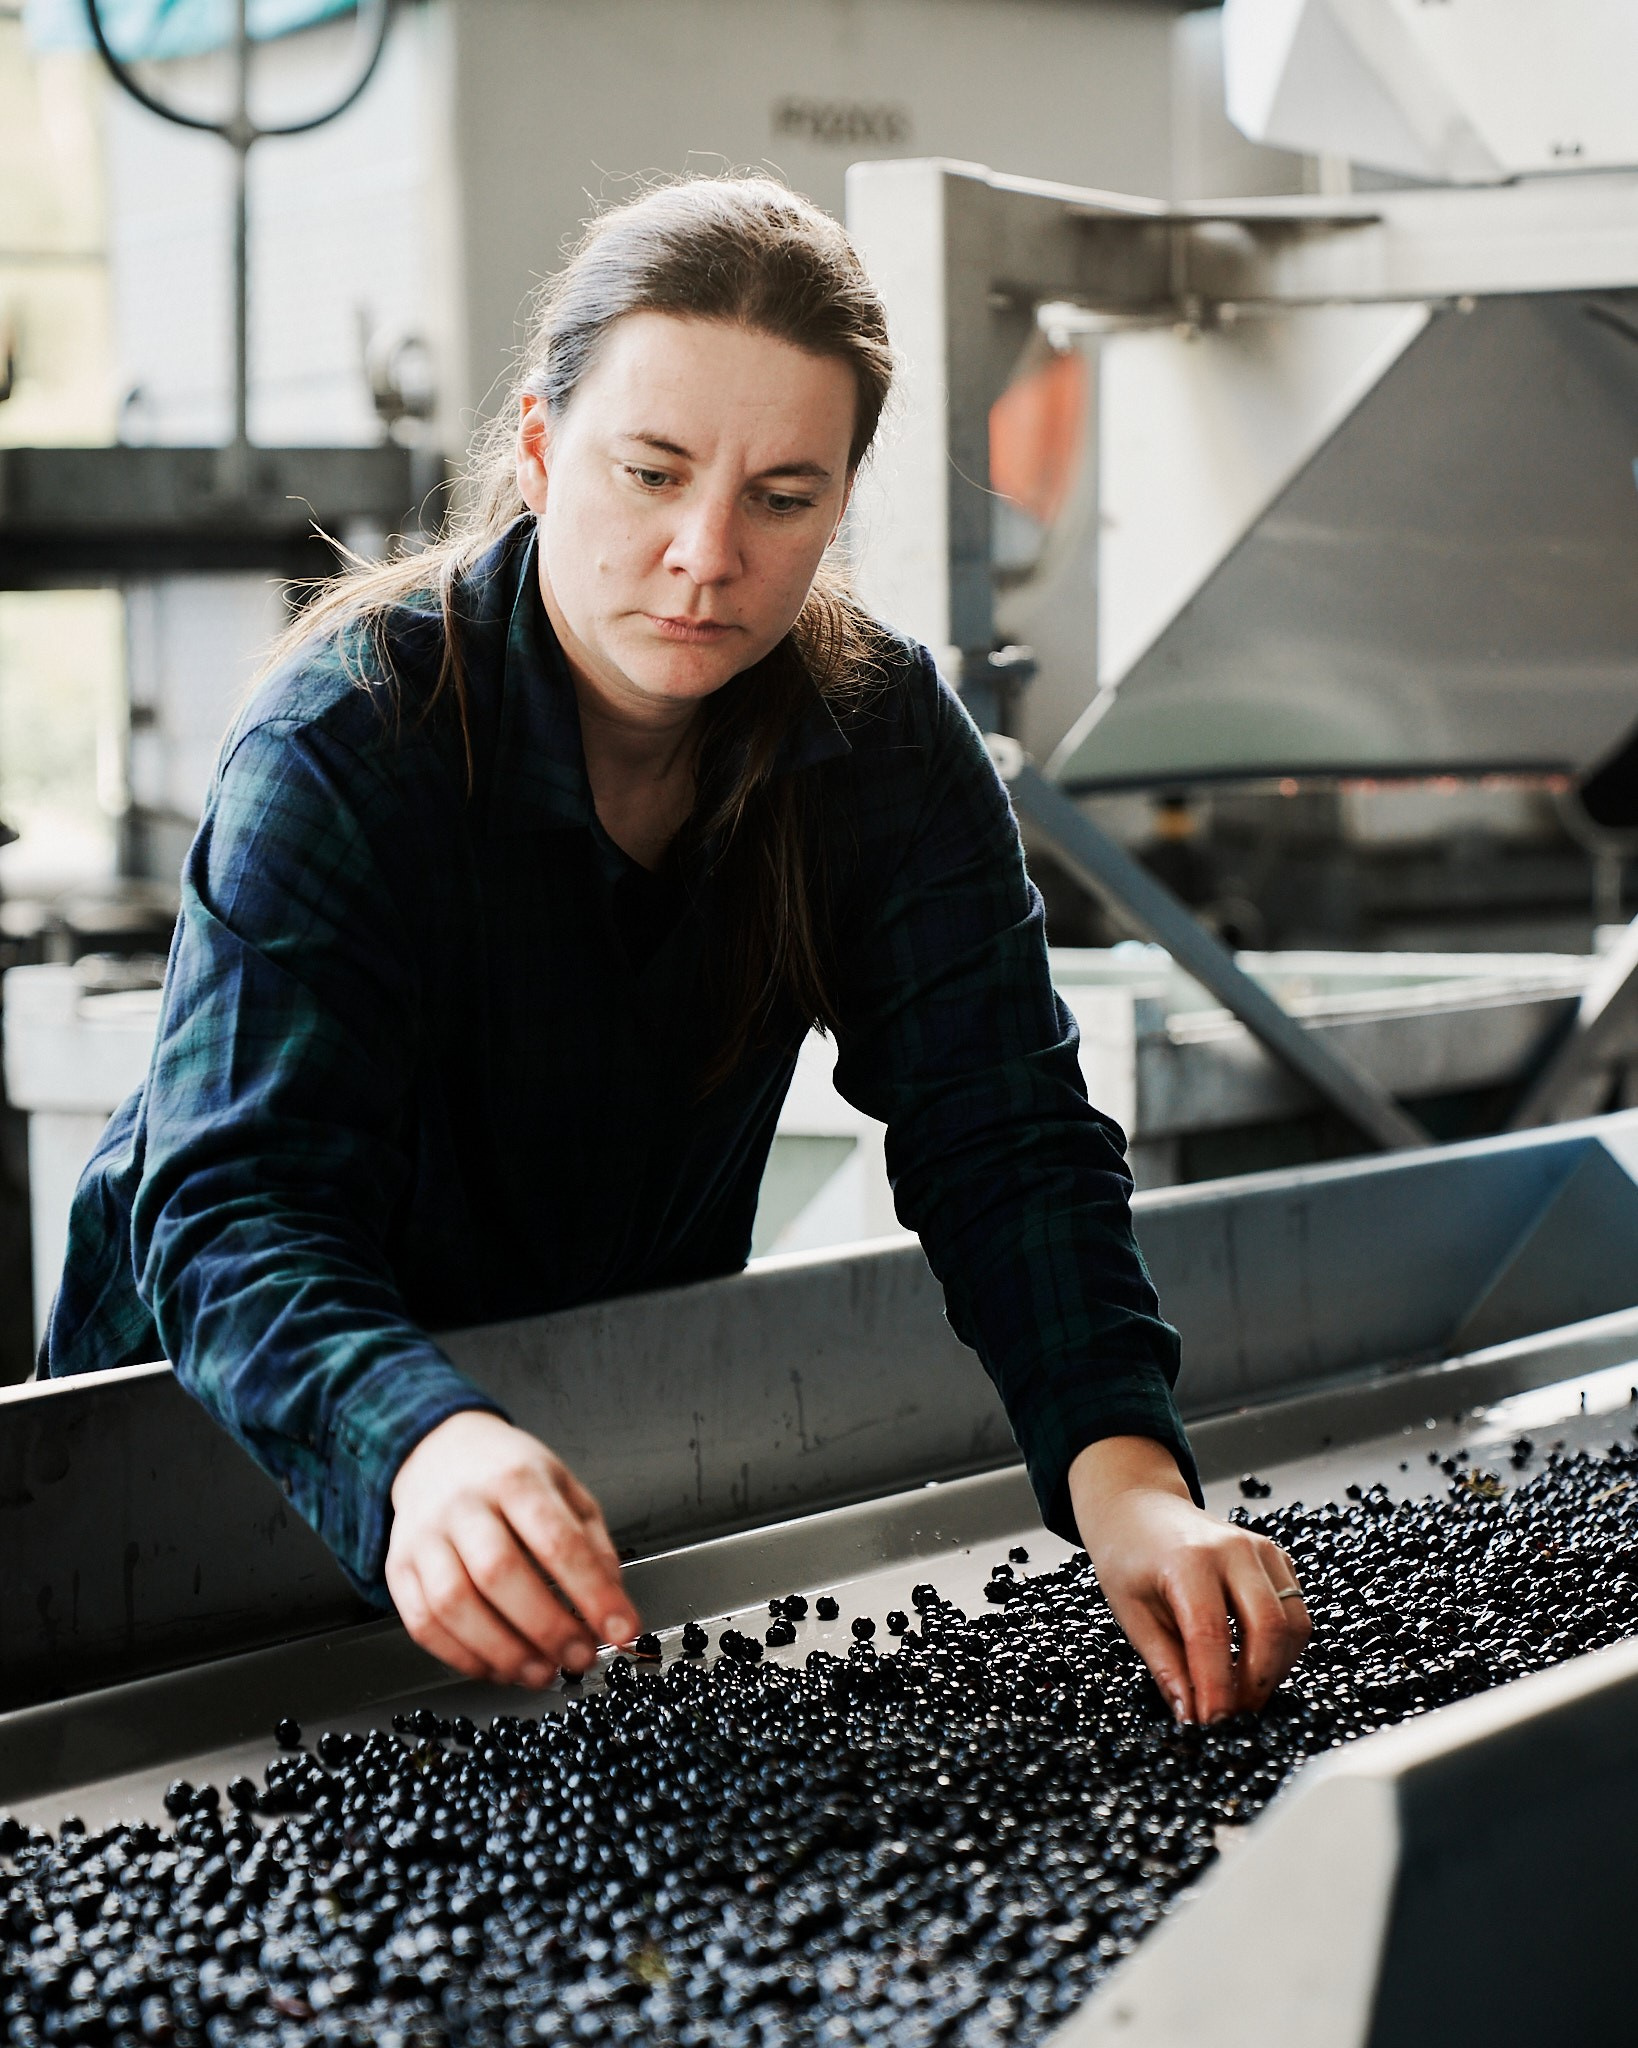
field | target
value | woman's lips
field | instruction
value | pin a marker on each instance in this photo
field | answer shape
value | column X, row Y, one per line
column 690, row 632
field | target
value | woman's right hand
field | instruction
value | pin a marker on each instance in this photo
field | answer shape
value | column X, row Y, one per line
column 492, row 1539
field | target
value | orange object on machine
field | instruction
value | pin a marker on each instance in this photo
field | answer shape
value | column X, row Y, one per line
column 1037, row 426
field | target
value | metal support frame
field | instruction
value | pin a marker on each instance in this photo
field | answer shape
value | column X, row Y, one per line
column 1603, row 1038
column 1101, row 864
column 964, row 259
column 964, row 256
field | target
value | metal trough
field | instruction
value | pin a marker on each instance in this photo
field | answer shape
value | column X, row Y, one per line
column 814, row 1423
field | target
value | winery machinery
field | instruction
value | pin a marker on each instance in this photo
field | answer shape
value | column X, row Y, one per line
column 1357, row 471
column 1299, row 493
column 814, row 1423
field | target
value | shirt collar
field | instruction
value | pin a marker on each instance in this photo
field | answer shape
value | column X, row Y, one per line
column 539, row 775
column 540, row 767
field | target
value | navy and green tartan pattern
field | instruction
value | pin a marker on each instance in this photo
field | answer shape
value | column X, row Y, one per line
column 426, row 1059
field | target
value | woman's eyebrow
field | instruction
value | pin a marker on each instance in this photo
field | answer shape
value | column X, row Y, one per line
column 661, row 444
column 816, row 472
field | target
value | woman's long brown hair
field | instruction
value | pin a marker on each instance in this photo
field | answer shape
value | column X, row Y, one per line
column 749, row 252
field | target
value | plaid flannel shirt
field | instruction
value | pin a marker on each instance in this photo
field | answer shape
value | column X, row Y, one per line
column 413, row 1073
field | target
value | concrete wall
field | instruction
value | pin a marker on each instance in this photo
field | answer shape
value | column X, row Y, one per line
column 494, row 126
column 559, row 105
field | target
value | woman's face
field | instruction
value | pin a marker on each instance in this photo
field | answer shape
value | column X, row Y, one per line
column 685, row 497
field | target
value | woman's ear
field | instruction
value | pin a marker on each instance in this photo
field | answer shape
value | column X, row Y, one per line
column 534, row 450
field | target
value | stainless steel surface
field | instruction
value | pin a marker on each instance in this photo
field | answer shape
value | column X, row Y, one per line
column 1172, row 1067
column 1600, row 1042
column 1462, row 1878
column 112, row 1751
column 217, row 1718
column 1281, row 1282
column 1205, row 1071
column 803, row 1384
column 1469, row 97
column 1436, row 574
column 690, row 1411
column 1089, row 854
column 1445, row 585
column 1308, row 1928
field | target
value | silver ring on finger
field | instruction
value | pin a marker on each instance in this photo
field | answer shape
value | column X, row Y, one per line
column 1289, row 1593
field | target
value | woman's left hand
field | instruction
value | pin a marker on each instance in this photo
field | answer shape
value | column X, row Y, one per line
column 1180, row 1582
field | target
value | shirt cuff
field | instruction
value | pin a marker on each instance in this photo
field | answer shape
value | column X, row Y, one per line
column 1115, row 1401
column 380, row 1422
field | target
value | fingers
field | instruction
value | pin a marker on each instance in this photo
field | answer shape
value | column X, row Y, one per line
column 1200, row 1599
column 1297, row 1622
column 1272, row 1635
column 416, row 1616
column 563, row 1546
column 1151, row 1632
column 1283, row 1575
column 1243, row 1582
column 494, row 1546
column 505, row 1577
column 1195, row 1594
column 444, row 1612
column 431, row 1635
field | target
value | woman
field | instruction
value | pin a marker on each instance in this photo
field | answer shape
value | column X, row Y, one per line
column 619, row 750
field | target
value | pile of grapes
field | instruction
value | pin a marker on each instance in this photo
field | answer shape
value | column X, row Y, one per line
column 947, row 1836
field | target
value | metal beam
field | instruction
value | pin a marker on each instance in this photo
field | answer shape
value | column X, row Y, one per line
column 1127, row 255
column 1104, row 866
column 1603, row 1037
column 90, row 514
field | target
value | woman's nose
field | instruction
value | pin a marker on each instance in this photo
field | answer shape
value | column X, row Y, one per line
column 705, row 545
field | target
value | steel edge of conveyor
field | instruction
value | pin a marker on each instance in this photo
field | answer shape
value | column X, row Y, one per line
column 798, row 1387
column 63, row 1747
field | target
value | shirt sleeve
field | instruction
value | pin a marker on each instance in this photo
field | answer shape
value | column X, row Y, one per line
column 274, row 1138
column 953, row 1036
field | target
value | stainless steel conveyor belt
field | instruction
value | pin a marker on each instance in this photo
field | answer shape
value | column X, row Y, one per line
column 1319, row 1311
column 108, row 1756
